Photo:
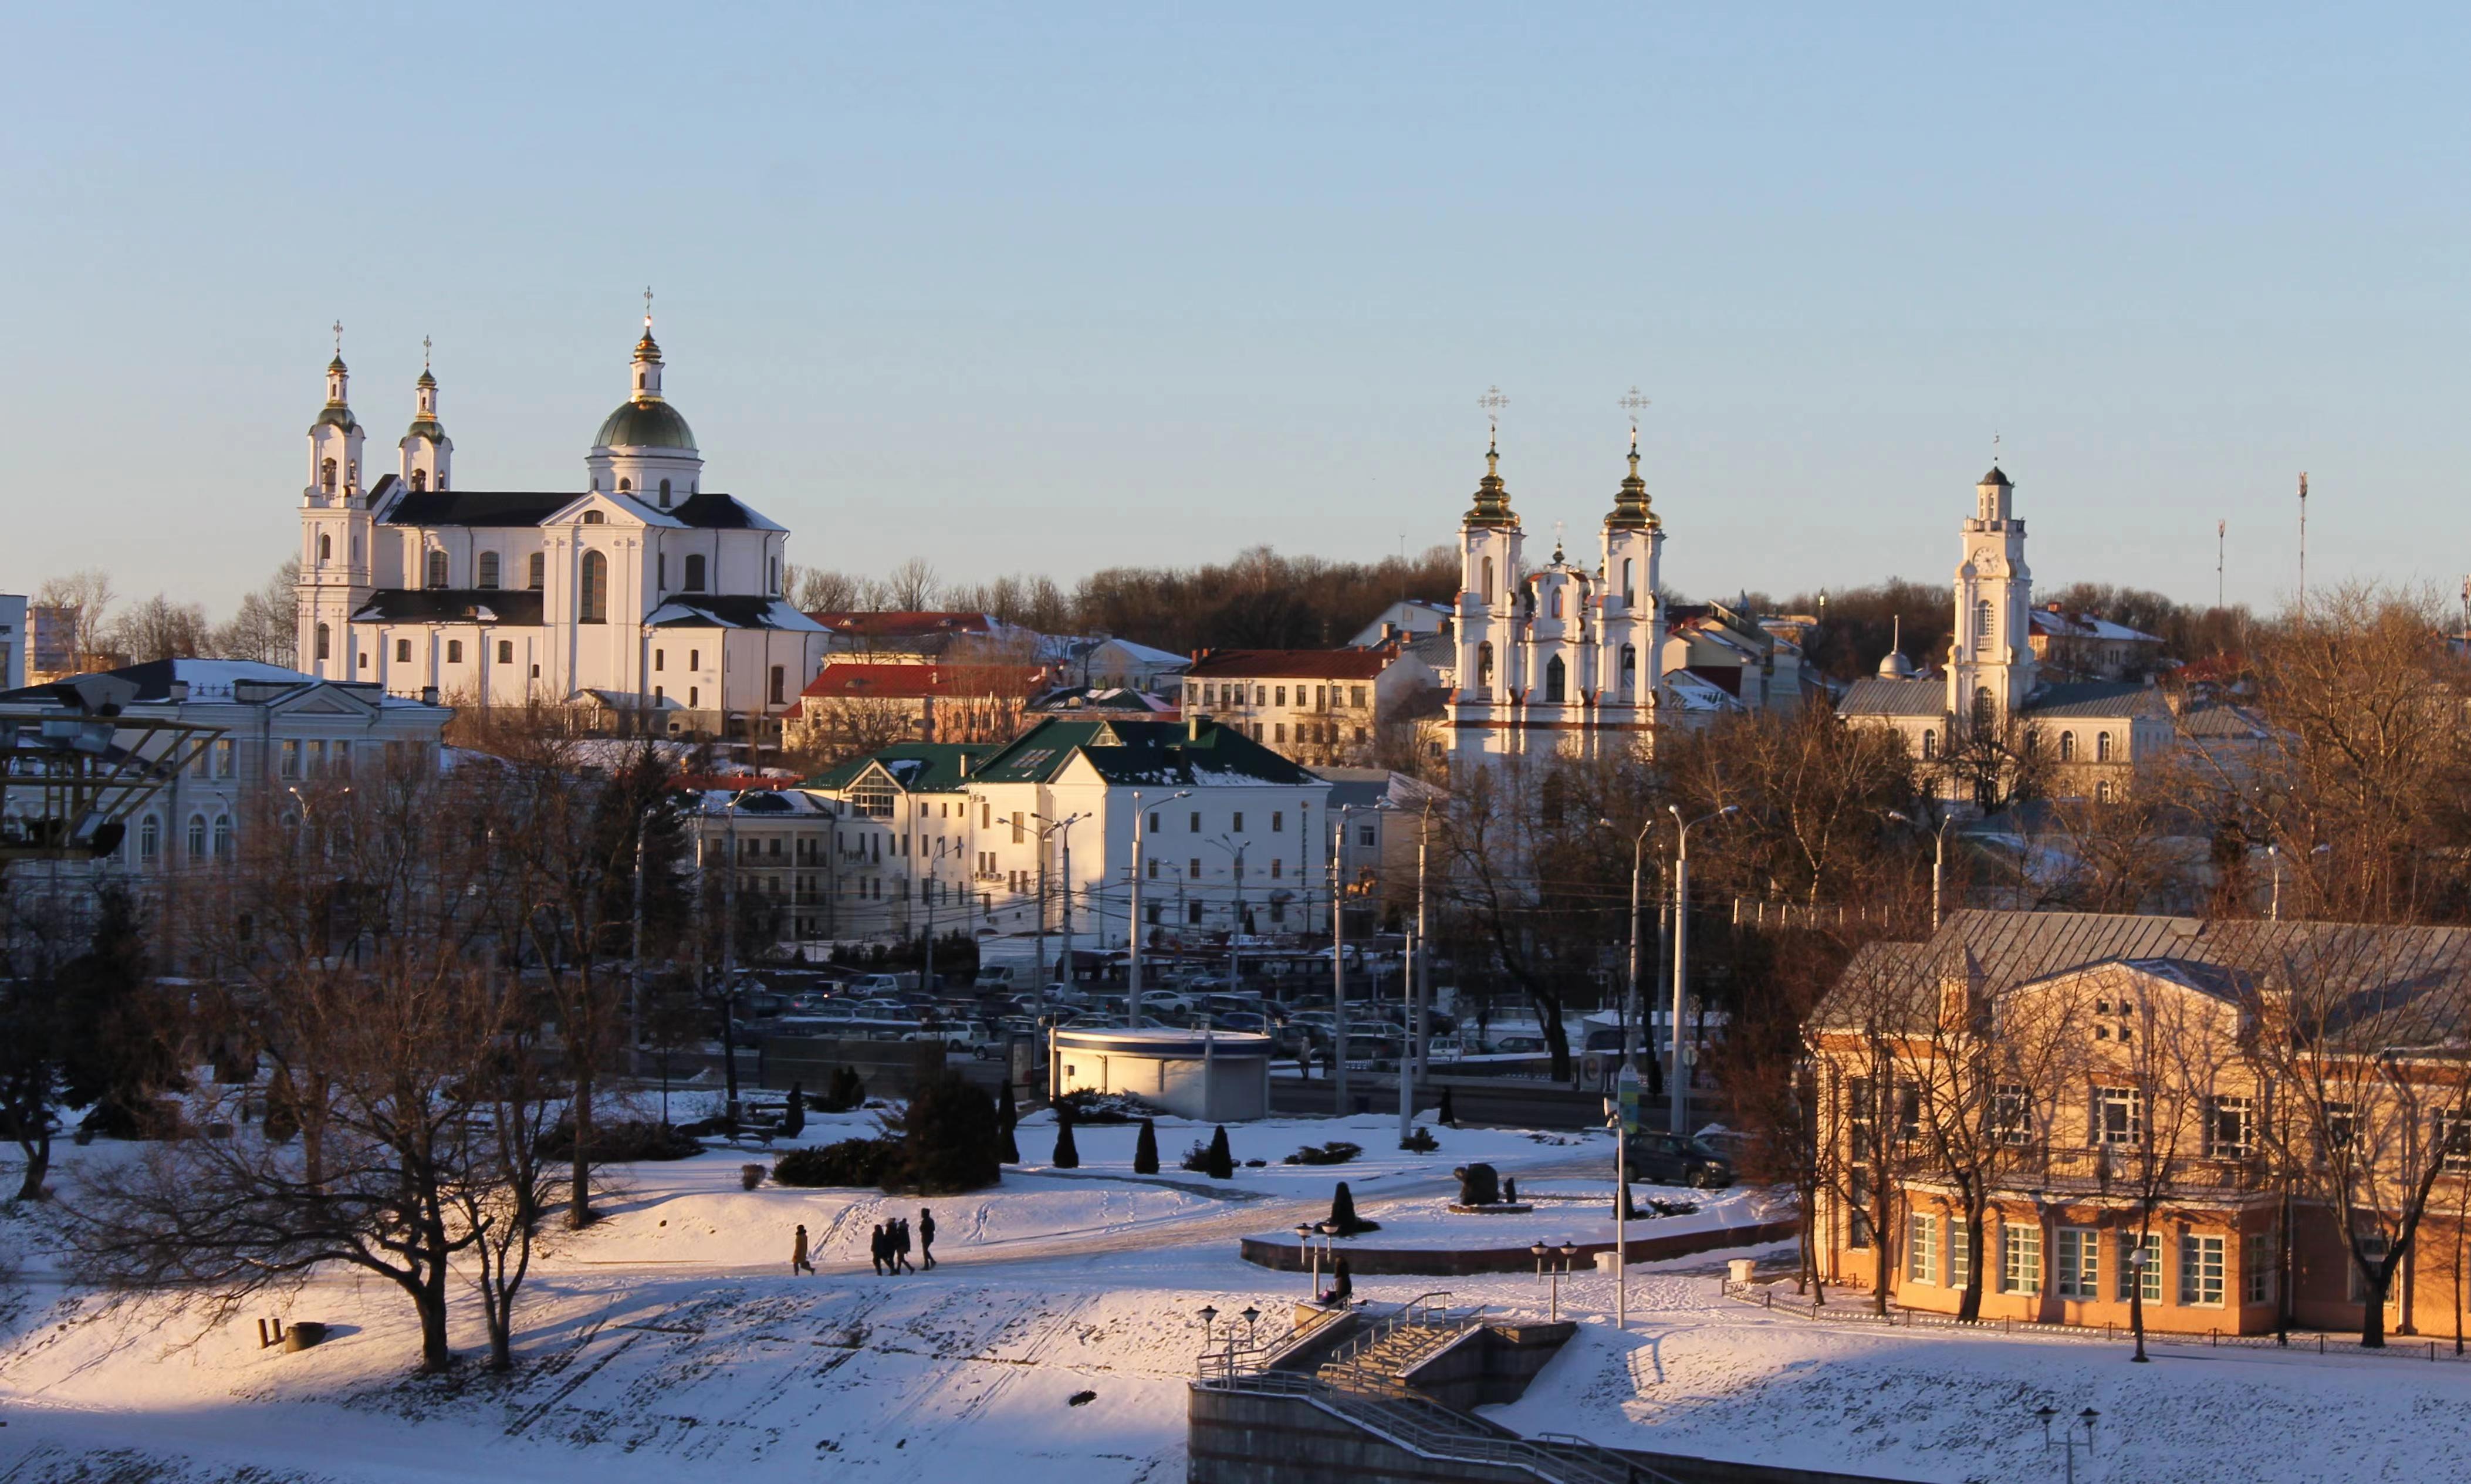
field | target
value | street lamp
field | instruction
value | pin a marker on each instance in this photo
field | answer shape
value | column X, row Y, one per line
column 1939, row 857
column 1133, row 929
column 1631, row 1007
column 2137, row 1258
column 1555, row 1260
column 1310, row 1258
column 1252, row 1316
column 1680, row 1088
column 1338, row 955
column 2067, row 1440
column 1209, row 1317
column 1417, row 988
column 1051, row 826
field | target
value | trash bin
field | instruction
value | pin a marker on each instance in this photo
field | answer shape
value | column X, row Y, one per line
column 1608, row 1261
column 1738, row 1270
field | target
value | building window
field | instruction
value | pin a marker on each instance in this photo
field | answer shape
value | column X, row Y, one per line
column 454, row 651
column 2131, row 1278
column 506, row 651
column 665, row 494
column 779, row 684
column 2020, row 1259
column 403, row 651
column 772, row 578
column 2227, row 1128
column 222, row 837
column 695, row 696
column 1484, row 666
column 438, row 569
column 1960, row 1253
column 327, row 475
column 1282, row 696
column 2077, row 1275
column 419, row 479
column 326, row 546
column 1488, row 561
column 694, row 572
column 1985, row 710
column 1366, row 837
column 1193, row 913
column 2012, row 1111
column 1629, row 669
column 1921, row 1249
column 2201, row 1271
column 592, row 602
column 326, row 642
column 150, row 834
column 1020, row 828
column 2256, row 1267
column 1930, row 743
column 2067, row 746
column 536, row 571
column 2102, row 746
column 2118, row 1115
column 226, row 758
column 694, row 659
column 2453, row 1137
column 660, row 660
column 197, row 836
column 596, row 517
column 2373, row 1248
column 1982, row 621
column 488, row 572
column 1193, row 872
column 1554, row 678
column 1557, row 599
column 1278, row 821
column 1237, row 826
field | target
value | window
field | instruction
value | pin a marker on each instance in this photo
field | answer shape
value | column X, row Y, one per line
column 2256, row 1267
column 2012, row 1112
column 2118, row 1115
column 695, row 696
column 1356, row 697
column 1556, row 680
column 665, row 494
column 506, row 651
column 2201, row 1270
column 1488, row 561
column 403, row 651
column 150, row 835
column 2102, row 746
column 1366, row 837
column 325, row 547
column 291, row 764
column 1277, row 864
column 2132, row 1278
column 1628, row 570
column 779, row 684
column 2067, row 746
column 226, row 758
column 1985, row 710
column 2101, row 792
column 1629, row 669
column 222, row 837
column 1858, row 1229
column 2020, row 1259
column 772, row 578
column 1261, row 697
column 1484, row 665
column 326, row 642
column 197, row 836
column 536, row 571
column 694, row 572
column 2453, row 1135
column 694, row 659
column 1557, row 599
column 1921, row 1249
column 1909, row 1113
column 1196, row 822
column 1282, row 696
column 1930, row 743
column 1193, row 874
column 1193, row 913
column 420, row 479
column 1020, row 828
column 597, row 518
column 438, row 569
column 2228, row 1127
column 327, row 475
column 488, row 571
column 1960, row 1253
column 592, row 601
column 1154, row 867
column 1150, row 912
column 2342, row 1125
column 1983, row 621
column 2077, row 1274
column 1278, row 821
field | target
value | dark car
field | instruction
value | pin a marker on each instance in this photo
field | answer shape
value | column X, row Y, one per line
column 1663, row 1158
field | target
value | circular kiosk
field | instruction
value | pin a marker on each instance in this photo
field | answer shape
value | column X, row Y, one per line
column 1217, row 1077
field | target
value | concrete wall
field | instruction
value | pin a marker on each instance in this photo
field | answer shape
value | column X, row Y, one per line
column 1367, row 1258
column 890, row 1068
column 1231, row 1438
column 1490, row 1364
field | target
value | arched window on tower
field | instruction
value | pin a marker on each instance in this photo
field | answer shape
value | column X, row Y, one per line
column 592, row 599
column 1555, row 676
column 536, row 571
column 1483, row 666
column 327, row 475
column 1985, row 710
column 1982, row 621
column 1629, row 671
column 326, row 546
column 1557, row 599
column 488, row 575
column 420, row 479
column 665, row 494
column 1627, row 567
column 1488, row 575
column 694, row 572
column 325, row 643
column 438, row 569
column 626, row 485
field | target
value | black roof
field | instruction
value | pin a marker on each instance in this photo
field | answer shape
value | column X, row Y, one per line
column 706, row 510
column 478, row 508
column 515, row 605
column 1994, row 477
column 736, row 610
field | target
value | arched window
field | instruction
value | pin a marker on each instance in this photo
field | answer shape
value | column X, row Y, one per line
column 1930, row 743
column 1629, row 671
column 1557, row 599
column 197, row 836
column 1483, row 666
column 2101, row 792
column 595, row 517
column 325, row 643
column 438, row 569
column 222, row 837
column 536, row 571
column 326, row 546
column 772, row 578
column 327, row 475
column 1981, row 622
column 592, row 602
column 1487, row 576
column 488, row 570
column 149, row 840
column 2102, row 746
column 665, row 494
column 1985, row 711
column 2067, row 746
column 694, row 572
column 1627, row 565
column 1555, row 676
column 420, row 479
column 625, row 486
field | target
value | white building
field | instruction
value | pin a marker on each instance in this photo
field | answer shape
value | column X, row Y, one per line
column 645, row 593
column 1561, row 659
column 15, row 639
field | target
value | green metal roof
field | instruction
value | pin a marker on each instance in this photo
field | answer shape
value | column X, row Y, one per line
column 1140, row 752
column 916, row 767
column 644, row 425
column 335, row 414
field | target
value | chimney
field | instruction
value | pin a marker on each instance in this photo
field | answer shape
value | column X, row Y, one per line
column 965, row 763
column 428, row 696
column 1963, row 1007
column 180, row 692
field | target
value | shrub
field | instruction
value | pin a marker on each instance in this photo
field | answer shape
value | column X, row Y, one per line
column 1197, row 1157
column 1343, row 1220
column 845, row 1091
column 793, row 1118
column 1222, row 1160
column 1007, row 1118
column 1419, row 1142
column 624, row 1142
column 1338, row 1151
column 851, row 1162
column 1066, row 1155
column 1450, row 1118
column 1145, row 1150
column 953, row 1137
column 1091, row 1106
column 749, row 1176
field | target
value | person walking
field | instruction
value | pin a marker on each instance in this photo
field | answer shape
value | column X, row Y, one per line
column 880, row 1245
column 798, row 1262
column 900, row 1245
column 927, row 1239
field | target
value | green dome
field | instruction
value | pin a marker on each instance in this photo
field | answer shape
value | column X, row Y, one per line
column 335, row 414
column 645, row 425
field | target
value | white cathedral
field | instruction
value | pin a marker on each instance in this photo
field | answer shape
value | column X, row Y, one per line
column 1559, row 660
column 645, row 596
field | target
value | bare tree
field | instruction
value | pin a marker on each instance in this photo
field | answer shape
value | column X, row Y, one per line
column 85, row 600
column 911, row 586
column 823, row 590
column 265, row 627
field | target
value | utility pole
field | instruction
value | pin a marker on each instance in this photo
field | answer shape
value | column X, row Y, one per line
column 1338, row 960
column 1680, row 1090
column 1412, row 1020
column 729, row 959
column 635, row 990
column 2221, row 542
column 2304, row 541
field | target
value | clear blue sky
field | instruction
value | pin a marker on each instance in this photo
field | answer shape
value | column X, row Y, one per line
column 1050, row 288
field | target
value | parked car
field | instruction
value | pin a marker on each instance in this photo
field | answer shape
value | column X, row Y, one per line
column 1244, row 1021
column 885, row 1010
column 869, row 985
column 1669, row 1159
column 1518, row 1045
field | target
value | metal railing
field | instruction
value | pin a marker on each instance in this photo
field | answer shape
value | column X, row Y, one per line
column 1430, row 1430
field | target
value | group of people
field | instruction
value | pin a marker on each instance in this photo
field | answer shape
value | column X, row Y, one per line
column 890, row 1246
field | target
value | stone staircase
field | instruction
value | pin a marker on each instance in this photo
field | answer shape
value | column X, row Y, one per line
column 1381, row 1365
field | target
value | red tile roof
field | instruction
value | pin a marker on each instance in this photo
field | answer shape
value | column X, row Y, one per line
column 843, row 681
column 1289, row 664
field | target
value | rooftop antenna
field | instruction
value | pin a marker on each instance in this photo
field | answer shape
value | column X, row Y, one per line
column 2303, row 540
column 2221, row 540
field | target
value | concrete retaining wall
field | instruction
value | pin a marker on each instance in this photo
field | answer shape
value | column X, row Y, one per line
column 1378, row 1261
column 1232, row 1438
column 889, row 1068
column 1493, row 1363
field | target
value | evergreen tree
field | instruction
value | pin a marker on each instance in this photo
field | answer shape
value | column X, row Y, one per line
column 1341, row 1212
column 1007, row 1118
column 1222, row 1160
column 1146, row 1150
column 794, row 1122
column 114, row 1050
column 1450, row 1114
column 951, row 1143
column 1067, row 1157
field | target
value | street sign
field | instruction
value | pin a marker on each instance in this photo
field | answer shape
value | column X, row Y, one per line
column 1626, row 1085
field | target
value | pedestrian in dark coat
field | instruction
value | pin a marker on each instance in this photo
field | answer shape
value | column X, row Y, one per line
column 927, row 1237
column 798, row 1262
column 901, row 1245
column 880, row 1245
column 1342, row 1286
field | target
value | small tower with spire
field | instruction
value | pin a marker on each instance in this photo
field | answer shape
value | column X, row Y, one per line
column 1990, row 671
column 1630, row 657
column 427, row 452
column 644, row 450
column 1490, row 619
column 336, row 531
column 335, row 437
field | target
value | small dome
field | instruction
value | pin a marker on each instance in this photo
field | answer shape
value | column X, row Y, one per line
column 644, row 425
column 1994, row 477
column 336, row 416
column 425, row 428
column 1896, row 666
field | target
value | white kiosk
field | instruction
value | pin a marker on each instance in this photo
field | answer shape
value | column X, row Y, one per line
column 1217, row 1077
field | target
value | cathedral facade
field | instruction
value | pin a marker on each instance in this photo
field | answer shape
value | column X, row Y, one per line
column 644, row 595
column 1560, row 660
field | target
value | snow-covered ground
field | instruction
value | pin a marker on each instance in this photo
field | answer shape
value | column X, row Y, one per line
column 650, row 1348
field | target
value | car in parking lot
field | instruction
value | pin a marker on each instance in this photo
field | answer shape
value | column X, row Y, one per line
column 1670, row 1159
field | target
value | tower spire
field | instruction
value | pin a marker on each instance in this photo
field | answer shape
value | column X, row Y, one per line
column 1631, row 508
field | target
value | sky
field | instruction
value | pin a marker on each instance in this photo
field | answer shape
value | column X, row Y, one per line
column 1050, row 289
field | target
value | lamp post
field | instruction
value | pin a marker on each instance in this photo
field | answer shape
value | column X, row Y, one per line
column 1049, row 827
column 1133, row 928
column 1939, row 858
column 1631, row 1007
column 1209, row 1318
column 1680, row 1087
column 2137, row 1258
column 2068, row 1441
column 1310, row 1258
column 1621, row 1111
column 1419, row 987
column 1556, row 1261
column 1338, row 958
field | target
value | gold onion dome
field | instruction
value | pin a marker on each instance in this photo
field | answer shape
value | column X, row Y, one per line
column 1491, row 505
column 1632, row 510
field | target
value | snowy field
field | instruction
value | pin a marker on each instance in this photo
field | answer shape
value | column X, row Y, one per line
column 670, row 1336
